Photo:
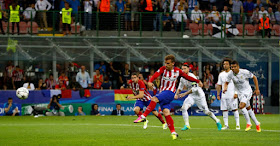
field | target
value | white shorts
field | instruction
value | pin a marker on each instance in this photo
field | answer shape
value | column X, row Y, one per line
column 191, row 100
column 245, row 98
column 229, row 104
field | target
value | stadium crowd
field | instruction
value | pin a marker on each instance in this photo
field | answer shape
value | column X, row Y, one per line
column 191, row 11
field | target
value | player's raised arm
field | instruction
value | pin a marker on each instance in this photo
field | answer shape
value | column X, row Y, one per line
column 189, row 78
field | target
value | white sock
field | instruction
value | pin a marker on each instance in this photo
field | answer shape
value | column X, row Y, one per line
column 246, row 115
column 225, row 117
column 253, row 117
column 186, row 117
column 236, row 116
column 212, row 116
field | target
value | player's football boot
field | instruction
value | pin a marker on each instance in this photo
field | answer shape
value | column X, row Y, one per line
column 186, row 127
column 225, row 128
column 174, row 135
column 219, row 126
column 258, row 127
column 248, row 127
column 140, row 119
column 145, row 124
column 164, row 126
column 237, row 128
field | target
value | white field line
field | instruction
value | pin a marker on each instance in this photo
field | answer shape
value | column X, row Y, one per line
column 126, row 125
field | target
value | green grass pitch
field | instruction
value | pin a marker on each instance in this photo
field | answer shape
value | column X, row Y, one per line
column 120, row 130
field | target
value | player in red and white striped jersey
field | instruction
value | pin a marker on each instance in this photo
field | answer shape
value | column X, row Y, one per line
column 169, row 77
column 143, row 98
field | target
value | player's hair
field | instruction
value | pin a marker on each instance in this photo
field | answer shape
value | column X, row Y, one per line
column 92, row 106
column 10, row 98
column 227, row 59
column 170, row 57
column 118, row 104
column 135, row 74
column 235, row 62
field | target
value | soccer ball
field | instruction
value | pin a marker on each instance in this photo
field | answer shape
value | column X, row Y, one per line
column 22, row 93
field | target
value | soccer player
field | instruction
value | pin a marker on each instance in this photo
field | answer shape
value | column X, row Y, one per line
column 196, row 96
column 169, row 75
column 228, row 99
column 143, row 98
column 240, row 78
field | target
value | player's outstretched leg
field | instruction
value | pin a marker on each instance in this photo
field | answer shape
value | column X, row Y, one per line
column 236, row 116
column 219, row 125
column 160, row 118
column 253, row 117
column 225, row 118
column 186, row 117
column 170, row 123
column 149, row 109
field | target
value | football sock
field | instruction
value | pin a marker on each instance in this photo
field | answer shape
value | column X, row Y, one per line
column 159, row 116
column 253, row 117
column 186, row 117
column 236, row 116
column 225, row 117
column 139, row 113
column 214, row 117
column 246, row 115
column 150, row 108
column 170, row 123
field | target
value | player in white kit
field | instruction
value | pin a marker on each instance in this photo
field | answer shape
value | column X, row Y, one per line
column 228, row 99
column 196, row 96
column 240, row 78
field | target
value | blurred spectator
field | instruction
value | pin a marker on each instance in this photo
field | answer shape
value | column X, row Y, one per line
column 183, row 4
column 255, row 16
column 237, row 7
column 248, row 10
column 66, row 18
column 43, row 6
column 195, row 72
column 207, row 66
column 258, row 4
column 106, row 84
column 74, row 85
column 177, row 16
column 29, row 13
column 118, row 111
column 10, row 109
column 50, row 82
column 157, row 7
column 226, row 15
column 88, row 13
column 207, row 17
column 54, row 107
column 173, row 5
column 103, row 6
column 208, row 78
column 63, row 78
column 152, row 72
column 14, row 16
column 127, row 15
column 157, row 83
column 120, row 6
column 196, row 15
column 8, row 76
column 264, row 26
column 72, row 69
column 60, row 85
column 271, row 16
column 215, row 15
column 113, row 75
column 277, row 15
column 204, row 5
column 80, row 112
column 94, row 110
column 207, row 90
column 101, row 67
column 134, row 16
column 193, row 66
column 262, row 12
column 17, row 78
column 41, row 85
column 97, row 80
column 266, row 3
column 83, row 78
column 75, row 5
column 166, row 6
column 29, row 85
column 166, row 22
column 141, row 77
column 191, row 8
column 216, row 70
column 2, row 14
column 125, row 75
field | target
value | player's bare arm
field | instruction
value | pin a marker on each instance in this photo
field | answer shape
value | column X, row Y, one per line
column 185, row 94
column 219, row 88
column 225, row 87
column 140, row 95
column 257, row 91
column 177, row 93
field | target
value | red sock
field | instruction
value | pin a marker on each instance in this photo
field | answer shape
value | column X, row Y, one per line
column 139, row 114
column 170, row 123
column 150, row 108
column 160, row 118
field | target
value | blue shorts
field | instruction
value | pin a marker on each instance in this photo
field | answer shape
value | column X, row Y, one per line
column 141, row 104
column 165, row 98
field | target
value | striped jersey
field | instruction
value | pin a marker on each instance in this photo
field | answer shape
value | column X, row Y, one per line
column 169, row 78
column 140, row 86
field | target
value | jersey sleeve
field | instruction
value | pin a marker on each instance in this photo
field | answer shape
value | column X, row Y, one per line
column 219, row 80
column 142, row 86
column 157, row 74
column 181, row 84
column 229, row 77
column 189, row 78
column 248, row 74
